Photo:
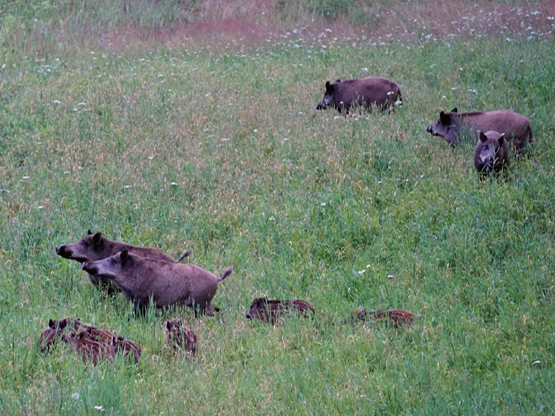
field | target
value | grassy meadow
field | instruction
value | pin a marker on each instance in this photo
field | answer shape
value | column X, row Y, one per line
column 213, row 144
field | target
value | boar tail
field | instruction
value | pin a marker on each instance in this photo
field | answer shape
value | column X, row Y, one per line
column 186, row 253
column 227, row 272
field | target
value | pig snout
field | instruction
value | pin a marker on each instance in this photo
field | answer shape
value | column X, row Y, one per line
column 63, row 251
column 90, row 268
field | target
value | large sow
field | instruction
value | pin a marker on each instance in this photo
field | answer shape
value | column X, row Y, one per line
column 167, row 283
column 96, row 247
column 364, row 92
column 516, row 127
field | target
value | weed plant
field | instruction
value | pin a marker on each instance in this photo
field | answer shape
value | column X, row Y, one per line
column 221, row 151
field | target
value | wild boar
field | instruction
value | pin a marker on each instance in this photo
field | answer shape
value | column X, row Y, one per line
column 167, row 283
column 53, row 333
column 363, row 92
column 103, row 335
column 89, row 348
column 516, row 128
column 97, row 247
column 491, row 153
column 177, row 336
column 396, row 317
column 271, row 310
column 127, row 347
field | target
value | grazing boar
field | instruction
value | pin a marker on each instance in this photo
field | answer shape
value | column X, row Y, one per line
column 271, row 310
column 97, row 247
column 89, row 348
column 396, row 317
column 516, row 128
column 491, row 153
column 178, row 336
column 167, row 283
column 364, row 92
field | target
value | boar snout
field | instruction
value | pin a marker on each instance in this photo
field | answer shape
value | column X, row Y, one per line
column 429, row 129
column 90, row 268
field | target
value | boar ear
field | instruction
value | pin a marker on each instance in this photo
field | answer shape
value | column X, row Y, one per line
column 96, row 238
column 62, row 324
column 444, row 118
column 168, row 325
column 483, row 138
column 501, row 139
column 454, row 110
column 51, row 323
column 124, row 257
column 337, row 81
column 329, row 87
column 89, row 232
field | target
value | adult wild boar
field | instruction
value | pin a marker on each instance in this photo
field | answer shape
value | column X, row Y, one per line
column 167, row 283
column 364, row 92
column 516, row 127
column 491, row 153
column 271, row 310
column 96, row 247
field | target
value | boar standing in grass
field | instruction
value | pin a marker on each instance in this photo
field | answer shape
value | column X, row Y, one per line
column 516, row 128
column 89, row 348
column 167, row 283
column 271, row 310
column 364, row 92
column 97, row 247
column 395, row 317
column 491, row 153
column 177, row 336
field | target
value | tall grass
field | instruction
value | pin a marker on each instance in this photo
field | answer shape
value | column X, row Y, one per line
column 221, row 151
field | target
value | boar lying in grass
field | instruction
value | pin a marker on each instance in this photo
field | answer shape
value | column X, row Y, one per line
column 177, row 336
column 97, row 247
column 271, row 310
column 90, row 348
column 516, row 128
column 57, row 330
column 395, row 317
column 120, row 344
column 167, row 283
column 54, row 332
column 363, row 92
column 491, row 153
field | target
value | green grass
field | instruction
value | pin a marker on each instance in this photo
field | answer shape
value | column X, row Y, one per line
column 223, row 153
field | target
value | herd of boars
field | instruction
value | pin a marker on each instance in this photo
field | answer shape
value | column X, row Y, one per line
column 492, row 129
column 147, row 276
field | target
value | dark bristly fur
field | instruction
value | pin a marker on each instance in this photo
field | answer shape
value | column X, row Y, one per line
column 177, row 336
column 271, row 310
